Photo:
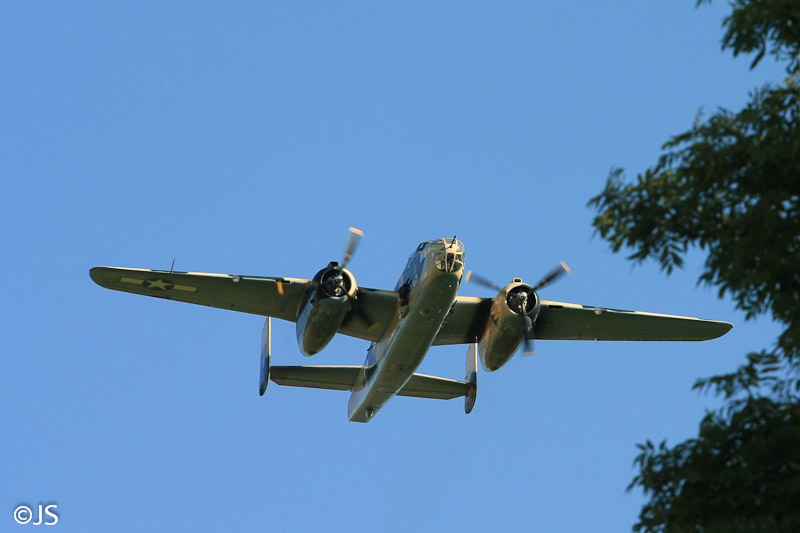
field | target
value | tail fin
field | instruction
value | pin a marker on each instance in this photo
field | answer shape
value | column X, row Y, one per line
column 472, row 377
column 266, row 353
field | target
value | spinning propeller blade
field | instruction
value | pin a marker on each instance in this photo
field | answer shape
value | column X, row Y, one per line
column 527, row 341
column 352, row 242
column 480, row 280
column 554, row 274
column 357, row 309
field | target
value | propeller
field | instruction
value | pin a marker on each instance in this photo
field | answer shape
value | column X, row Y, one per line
column 335, row 284
column 553, row 275
column 357, row 309
column 527, row 340
column 518, row 299
column 480, row 280
column 352, row 242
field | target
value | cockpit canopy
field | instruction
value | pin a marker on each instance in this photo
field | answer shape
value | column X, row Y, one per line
column 448, row 254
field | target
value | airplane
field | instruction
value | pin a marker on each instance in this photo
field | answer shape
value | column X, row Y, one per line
column 423, row 310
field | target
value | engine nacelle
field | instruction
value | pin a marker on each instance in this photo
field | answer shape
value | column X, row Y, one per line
column 506, row 328
column 324, row 308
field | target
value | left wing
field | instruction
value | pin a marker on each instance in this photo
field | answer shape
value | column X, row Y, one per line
column 565, row 321
column 266, row 296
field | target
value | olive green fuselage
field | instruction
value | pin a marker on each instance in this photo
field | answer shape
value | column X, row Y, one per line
column 427, row 289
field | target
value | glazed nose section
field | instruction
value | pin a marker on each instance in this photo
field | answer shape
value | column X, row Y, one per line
column 451, row 258
column 455, row 257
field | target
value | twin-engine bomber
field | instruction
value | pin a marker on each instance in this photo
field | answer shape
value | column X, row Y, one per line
column 423, row 310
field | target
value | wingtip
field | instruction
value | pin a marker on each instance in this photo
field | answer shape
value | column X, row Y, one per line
column 94, row 273
column 722, row 329
column 100, row 275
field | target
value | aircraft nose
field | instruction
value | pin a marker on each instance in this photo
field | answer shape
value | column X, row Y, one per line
column 455, row 244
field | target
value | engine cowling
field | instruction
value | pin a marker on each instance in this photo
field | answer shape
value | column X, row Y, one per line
column 330, row 297
column 506, row 326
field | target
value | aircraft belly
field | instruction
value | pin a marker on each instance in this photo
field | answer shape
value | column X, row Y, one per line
column 405, row 347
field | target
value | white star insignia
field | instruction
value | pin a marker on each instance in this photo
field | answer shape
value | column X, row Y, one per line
column 158, row 284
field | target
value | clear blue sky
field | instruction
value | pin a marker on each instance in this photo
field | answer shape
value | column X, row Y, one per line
column 245, row 138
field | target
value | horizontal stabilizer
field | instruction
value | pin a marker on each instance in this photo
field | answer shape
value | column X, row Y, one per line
column 316, row 377
column 422, row 386
column 345, row 378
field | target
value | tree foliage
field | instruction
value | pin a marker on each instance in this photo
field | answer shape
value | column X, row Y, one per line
column 728, row 479
column 761, row 26
column 730, row 186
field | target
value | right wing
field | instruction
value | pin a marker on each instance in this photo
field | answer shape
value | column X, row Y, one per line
column 565, row 321
column 266, row 296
